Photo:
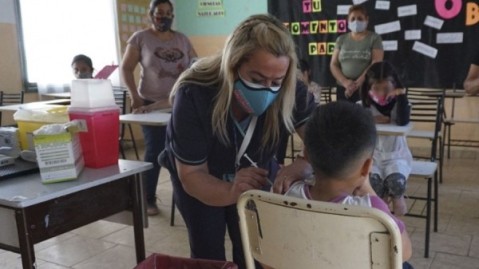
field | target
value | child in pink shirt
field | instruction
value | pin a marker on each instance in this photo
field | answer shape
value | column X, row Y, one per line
column 340, row 138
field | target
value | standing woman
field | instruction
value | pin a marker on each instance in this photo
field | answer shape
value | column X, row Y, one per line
column 163, row 55
column 229, row 112
column 354, row 53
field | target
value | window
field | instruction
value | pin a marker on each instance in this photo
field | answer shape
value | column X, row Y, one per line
column 54, row 31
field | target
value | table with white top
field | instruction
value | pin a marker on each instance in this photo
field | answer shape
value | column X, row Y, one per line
column 154, row 118
column 35, row 105
column 31, row 212
column 61, row 95
column 393, row 129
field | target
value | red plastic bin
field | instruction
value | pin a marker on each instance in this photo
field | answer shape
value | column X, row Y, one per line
column 159, row 261
column 100, row 143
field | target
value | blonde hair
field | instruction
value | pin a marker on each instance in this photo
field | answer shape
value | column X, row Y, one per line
column 219, row 71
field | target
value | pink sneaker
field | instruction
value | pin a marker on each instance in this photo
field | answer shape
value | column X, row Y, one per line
column 399, row 206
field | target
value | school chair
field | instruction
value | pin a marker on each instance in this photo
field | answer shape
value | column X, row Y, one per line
column 426, row 170
column 10, row 99
column 286, row 232
column 293, row 151
column 452, row 120
column 427, row 107
column 121, row 96
column 326, row 95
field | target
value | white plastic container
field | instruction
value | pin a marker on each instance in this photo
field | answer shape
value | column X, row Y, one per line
column 92, row 93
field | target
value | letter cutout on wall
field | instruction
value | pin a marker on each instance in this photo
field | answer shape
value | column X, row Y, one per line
column 448, row 9
column 472, row 15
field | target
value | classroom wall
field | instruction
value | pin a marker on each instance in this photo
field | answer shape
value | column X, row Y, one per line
column 208, row 34
column 10, row 72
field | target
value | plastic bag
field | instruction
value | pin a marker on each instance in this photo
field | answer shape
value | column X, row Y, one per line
column 159, row 261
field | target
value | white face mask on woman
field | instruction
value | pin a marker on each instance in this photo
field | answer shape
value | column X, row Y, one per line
column 357, row 26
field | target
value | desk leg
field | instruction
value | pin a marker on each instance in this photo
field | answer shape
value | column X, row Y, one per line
column 26, row 246
column 138, row 218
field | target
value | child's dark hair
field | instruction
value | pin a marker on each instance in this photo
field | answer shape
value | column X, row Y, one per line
column 336, row 135
column 304, row 65
column 84, row 59
column 377, row 72
column 155, row 3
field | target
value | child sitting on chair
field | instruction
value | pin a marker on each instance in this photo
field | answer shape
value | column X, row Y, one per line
column 342, row 157
column 383, row 94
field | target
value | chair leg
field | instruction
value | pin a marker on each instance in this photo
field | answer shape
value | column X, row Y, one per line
column 449, row 134
column 444, row 137
column 132, row 137
column 436, row 202
column 172, row 212
column 428, row 218
column 122, row 150
column 441, row 158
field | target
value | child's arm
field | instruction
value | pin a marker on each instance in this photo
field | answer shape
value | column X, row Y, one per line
column 403, row 110
column 406, row 246
column 382, row 119
column 365, row 189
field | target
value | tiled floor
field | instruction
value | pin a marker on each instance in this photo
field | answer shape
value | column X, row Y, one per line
column 109, row 245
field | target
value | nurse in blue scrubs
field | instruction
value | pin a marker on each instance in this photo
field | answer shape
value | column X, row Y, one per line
column 229, row 112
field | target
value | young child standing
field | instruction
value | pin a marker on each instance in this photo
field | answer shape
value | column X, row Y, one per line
column 342, row 156
column 385, row 97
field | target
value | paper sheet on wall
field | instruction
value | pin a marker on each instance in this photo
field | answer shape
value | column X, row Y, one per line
column 210, row 8
column 357, row 2
column 383, row 5
column 412, row 34
column 131, row 17
column 409, row 10
column 387, row 27
column 390, row 45
column 343, row 9
column 449, row 38
column 434, row 22
column 425, row 49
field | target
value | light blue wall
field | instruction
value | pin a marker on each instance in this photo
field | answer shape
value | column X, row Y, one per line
column 236, row 11
column 7, row 11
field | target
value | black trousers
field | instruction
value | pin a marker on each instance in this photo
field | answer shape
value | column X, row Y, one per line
column 341, row 96
column 207, row 226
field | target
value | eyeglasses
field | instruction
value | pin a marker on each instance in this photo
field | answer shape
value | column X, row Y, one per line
column 159, row 15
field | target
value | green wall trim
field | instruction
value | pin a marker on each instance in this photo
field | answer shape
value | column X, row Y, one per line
column 236, row 11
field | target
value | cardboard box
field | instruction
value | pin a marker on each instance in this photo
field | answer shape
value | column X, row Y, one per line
column 29, row 120
column 59, row 156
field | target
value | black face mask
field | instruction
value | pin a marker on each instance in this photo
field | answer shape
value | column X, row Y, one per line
column 164, row 24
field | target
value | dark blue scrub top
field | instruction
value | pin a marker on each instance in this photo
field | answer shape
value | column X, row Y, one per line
column 190, row 136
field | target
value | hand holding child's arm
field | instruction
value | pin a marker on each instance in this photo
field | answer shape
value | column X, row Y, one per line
column 382, row 119
column 365, row 189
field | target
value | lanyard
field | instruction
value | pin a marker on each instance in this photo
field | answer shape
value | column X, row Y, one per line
column 246, row 139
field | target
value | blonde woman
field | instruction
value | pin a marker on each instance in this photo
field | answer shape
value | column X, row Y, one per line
column 229, row 112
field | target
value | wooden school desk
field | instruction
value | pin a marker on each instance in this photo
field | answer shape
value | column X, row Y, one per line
column 31, row 212
column 393, row 129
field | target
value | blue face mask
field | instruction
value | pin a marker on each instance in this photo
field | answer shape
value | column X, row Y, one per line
column 357, row 26
column 254, row 98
